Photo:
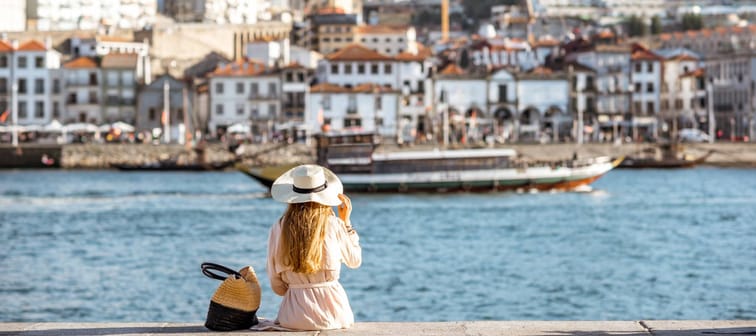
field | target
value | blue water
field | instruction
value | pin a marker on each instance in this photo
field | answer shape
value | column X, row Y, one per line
column 111, row 246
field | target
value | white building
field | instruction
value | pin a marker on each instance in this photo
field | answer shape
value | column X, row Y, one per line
column 388, row 40
column 13, row 16
column 100, row 46
column 57, row 15
column 647, row 86
column 119, row 72
column 414, row 73
column 464, row 96
column 365, row 107
column 355, row 65
column 32, row 66
column 505, row 52
column 82, row 78
column 542, row 98
column 247, row 93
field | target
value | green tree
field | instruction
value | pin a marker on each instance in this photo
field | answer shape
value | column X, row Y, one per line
column 692, row 21
column 656, row 26
column 636, row 26
column 481, row 9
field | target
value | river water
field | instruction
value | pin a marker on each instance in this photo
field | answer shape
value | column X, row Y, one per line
column 651, row 244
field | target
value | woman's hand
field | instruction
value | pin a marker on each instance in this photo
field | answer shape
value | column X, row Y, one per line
column 345, row 208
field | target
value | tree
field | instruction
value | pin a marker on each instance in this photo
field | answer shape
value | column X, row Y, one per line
column 656, row 26
column 691, row 21
column 481, row 9
column 636, row 26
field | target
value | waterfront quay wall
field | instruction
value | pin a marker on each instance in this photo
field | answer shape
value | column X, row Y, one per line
column 483, row 328
column 99, row 156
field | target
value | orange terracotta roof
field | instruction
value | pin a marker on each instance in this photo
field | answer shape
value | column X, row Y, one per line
column 423, row 53
column 329, row 11
column 372, row 88
column 541, row 70
column 241, row 68
column 645, row 55
column 605, row 34
column 328, row 88
column 81, row 63
column 452, row 69
column 695, row 73
column 548, row 42
column 120, row 61
column 109, row 38
column 357, row 52
column 665, row 36
column 682, row 57
column 32, row 45
column 5, row 47
column 293, row 65
column 381, row 29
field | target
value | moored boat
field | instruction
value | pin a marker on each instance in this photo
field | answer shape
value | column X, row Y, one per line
column 666, row 156
column 362, row 169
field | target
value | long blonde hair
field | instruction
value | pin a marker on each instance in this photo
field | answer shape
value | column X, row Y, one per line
column 303, row 235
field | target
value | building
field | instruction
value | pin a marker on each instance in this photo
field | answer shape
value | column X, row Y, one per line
column 43, row 15
column 365, row 107
column 388, row 40
column 82, row 78
column 647, row 86
column 613, row 84
column 462, row 102
column 731, row 77
column 13, row 16
column 247, row 93
column 355, row 64
column 683, row 92
column 295, row 84
column 414, row 71
column 582, row 80
column 327, row 30
column 151, row 106
column 119, row 73
column 99, row 46
column 709, row 41
column 542, row 102
column 32, row 65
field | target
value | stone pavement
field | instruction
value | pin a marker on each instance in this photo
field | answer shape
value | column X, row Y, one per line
column 510, row 328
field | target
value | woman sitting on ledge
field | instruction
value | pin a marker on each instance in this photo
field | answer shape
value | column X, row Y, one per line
column 306, row 248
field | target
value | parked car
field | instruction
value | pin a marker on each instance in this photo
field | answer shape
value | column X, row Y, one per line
column 692, row 135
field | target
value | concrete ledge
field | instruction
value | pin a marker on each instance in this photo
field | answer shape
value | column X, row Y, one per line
column 513, row 328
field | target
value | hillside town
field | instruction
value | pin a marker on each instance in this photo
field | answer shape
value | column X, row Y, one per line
column 414, row 71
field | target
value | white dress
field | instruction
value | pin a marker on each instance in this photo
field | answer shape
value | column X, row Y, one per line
column 315, row 301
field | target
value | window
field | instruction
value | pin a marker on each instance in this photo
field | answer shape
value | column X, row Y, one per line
column 93, row 97
column 650, row 67
column 678, row 104
column 374, row 69
column 21, row 85
column 272, row 91
column 503, row 93
column 364, row 40
column 253, row 89
column 152, row 114
column 326, row 102
column 22, row 62
column 300, row 77
column 378, row 103
column 219, row 109
column 337, row 39
column 289, row 77
column 638, row 67
column 334, row 69
column 218, row 88
column 348, row 69
column 39, row 86
column 39, row 109
column 56, row 110
column 361, row 68
column 665, row 105
column 239, row 109
column 326, row 39
column 375, row 40
column 4, row 61
column 400, row 40
column 650, row 87
column 240, row 88
column 92, row 78
column 22, row 112
column 3, row 87
column 388, row 51
column 637, row 107
column 39, row 62
column 650, row 108
column 272, row 110
column 388, row 39
column 387, row 69
column 352, row 105
column 638, row 87
column 353, row 122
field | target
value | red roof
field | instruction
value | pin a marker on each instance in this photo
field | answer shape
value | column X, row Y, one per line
column 241, row 68
column 452, row 69
column 5, row 47
column 32, row 45
column 357, row 52
column 646, row 55
column 328, row 88
column 81, row 63
column 695, row 73
column 423, row 53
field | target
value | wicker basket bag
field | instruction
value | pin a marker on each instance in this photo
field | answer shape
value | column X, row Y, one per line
column 234, row 304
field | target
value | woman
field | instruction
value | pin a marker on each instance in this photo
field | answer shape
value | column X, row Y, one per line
column 306, row 248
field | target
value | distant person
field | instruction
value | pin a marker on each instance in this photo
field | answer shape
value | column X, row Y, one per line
column 306, row 248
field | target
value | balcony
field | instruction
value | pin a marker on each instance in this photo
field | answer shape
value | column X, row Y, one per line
column 261, row 96
column 74, row 83
column 351, row 110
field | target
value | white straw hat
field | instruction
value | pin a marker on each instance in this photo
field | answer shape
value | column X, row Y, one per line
column 308, row 183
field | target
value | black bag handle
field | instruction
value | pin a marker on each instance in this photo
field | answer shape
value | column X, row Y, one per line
column 207, row 267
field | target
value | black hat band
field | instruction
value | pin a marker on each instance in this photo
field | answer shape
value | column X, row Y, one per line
column 310, row 190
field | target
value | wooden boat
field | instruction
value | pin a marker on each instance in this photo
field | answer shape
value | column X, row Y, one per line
column 362, row 169
column 665, row 156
